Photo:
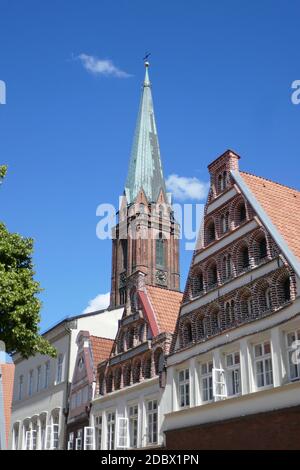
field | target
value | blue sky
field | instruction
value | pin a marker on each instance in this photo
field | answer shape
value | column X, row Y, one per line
column 221, row 73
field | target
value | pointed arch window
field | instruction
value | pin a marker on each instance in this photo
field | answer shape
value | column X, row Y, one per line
column 160, row 251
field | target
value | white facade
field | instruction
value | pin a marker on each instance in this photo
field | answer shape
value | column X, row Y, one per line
column 252, row 370
column 41, row 385
column 138, row 413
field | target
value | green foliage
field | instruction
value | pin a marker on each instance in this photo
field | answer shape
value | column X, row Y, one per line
column 3, row 170
column 19, row 304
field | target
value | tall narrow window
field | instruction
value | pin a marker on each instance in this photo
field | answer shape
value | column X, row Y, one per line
column 152, row 422
column 160, row 252
column 242, row 214
column 206, row 381
column 286, row 289
column 262, row 248
column 38, row 378
column 184, row 387
column 133, row 426
column 233, row 374
column 124, row 253
column 293, row 344
column 263, row 365
column 30, row 383
column 98, row 432
column 47, row 374
column 21, row 379
column 59, row 369
column 225, row 222
column 211, row 232
column 111, row 417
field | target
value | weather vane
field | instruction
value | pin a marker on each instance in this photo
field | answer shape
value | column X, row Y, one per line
column 147, row 54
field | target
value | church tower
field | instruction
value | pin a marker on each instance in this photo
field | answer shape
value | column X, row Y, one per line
column 146, row 237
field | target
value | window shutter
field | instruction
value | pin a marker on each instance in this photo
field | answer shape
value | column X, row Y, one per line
column 89, row 438
column 219, row 383
column 122, row 433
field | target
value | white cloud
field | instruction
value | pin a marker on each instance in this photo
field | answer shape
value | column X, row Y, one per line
column 184, row 188
column 98, row 303
column 101, row 66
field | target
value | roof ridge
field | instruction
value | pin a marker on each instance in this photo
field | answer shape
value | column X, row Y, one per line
column 270, row 181
column 164, row 289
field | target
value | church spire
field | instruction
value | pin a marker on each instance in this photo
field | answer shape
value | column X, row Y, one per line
column 145, row 169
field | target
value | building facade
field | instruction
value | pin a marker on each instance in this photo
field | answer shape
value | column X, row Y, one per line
column 6, row 394
column 91, row 351
column 42, row 384
column 234, row 371
column 129, row 407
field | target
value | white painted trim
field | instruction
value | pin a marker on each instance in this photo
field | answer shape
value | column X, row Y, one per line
column 226, row 240
column 215, row 204
column 233, row 284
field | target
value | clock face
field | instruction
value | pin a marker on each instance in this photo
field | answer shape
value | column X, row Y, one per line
column 161, row 277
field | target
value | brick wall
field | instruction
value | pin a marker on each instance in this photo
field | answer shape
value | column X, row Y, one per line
column 278, row 429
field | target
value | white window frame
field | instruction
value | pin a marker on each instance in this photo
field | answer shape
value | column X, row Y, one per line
column 30, row 383
column 122, row 433
column 264, row 358
column 293, row 351
column 184, row 388
column 59, row 369
column 38, row 378
column 70, row 445
column 47, row 374
column 98, row 431
column 89, row 438
column 110, row 430
column 219, row 383
column 206, row 381
column 78, row 440
column 152, row 422
column 233, row 374
column 133, row 413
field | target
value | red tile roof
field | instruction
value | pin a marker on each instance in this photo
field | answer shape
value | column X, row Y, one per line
column 165, row 304
column 101, row 348
column 7, row 371
column 282, row 205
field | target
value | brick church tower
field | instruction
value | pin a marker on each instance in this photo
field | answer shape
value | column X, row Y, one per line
column 145, row 240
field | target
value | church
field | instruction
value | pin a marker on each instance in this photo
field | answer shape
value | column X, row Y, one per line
column 214, row 367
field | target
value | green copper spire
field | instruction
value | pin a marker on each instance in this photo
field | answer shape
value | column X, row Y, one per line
column 145, row 170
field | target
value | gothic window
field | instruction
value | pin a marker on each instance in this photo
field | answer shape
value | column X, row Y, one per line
column 109, row 382
column 200, row 327
column 243, row 258
column 122, row 295
column 130, row 338
column 225, row 222
column 160, row 252
column 147, row 367
column 210, row 232
column 215, row 321
column 246, row 306
column 136, row 371
column 118, row 374
column 212, row 276
column 229, row 312
column 222, row 181
column 227, row 267
column 197, row 284
column 242, row 215
column 127, row 375
column 124, row 253
column 262, row 248
column 187, row 333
